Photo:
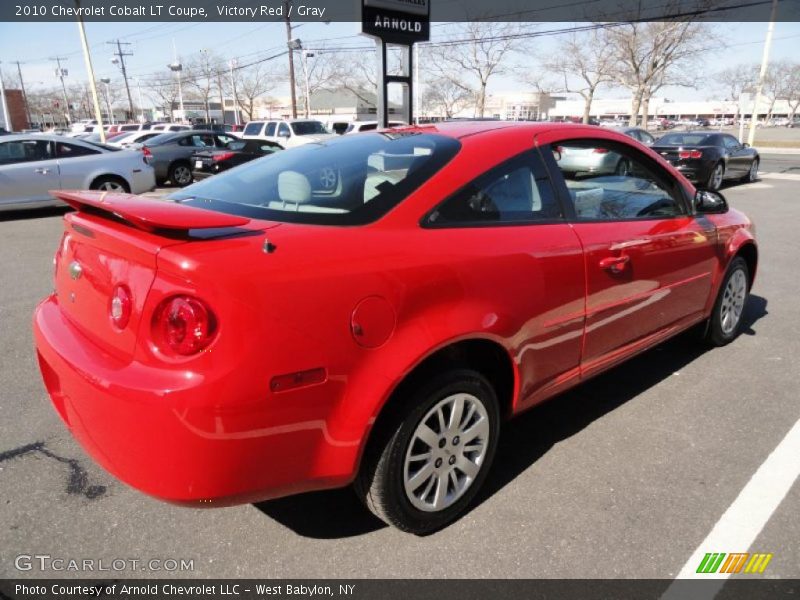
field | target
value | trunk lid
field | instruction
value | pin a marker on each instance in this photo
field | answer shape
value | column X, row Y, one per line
column 114, row 240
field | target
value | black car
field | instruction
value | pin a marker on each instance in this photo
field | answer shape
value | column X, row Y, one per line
column 4, row 132
column 211, row 162
column 709, row 158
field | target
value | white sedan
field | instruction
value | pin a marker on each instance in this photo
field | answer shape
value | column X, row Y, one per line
column 32, row 165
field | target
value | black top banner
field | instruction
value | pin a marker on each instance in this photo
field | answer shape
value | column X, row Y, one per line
column 440, row 10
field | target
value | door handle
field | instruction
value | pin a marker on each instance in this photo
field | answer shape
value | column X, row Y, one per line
column 615, row 264
column 41, row 171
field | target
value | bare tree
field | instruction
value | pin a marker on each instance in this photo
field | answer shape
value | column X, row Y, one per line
column 791, row 87
column 444, row 97
column 653, row 54
column 252, row 83
column 205, row 68
column 583, row 64
column 163, row 91
column 476, row 52
column 736, row 80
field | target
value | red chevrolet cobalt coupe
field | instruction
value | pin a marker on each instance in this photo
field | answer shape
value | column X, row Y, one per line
column 366, row 310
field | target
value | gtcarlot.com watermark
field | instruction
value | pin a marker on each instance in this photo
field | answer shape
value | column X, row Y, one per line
column 46, row 562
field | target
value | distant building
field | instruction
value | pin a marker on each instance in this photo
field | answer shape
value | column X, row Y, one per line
column 16, row 109
column 513, row 106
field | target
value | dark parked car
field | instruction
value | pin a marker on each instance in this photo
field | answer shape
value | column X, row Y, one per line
column 709, row 158
column 210, row 162
column 170, row 153
column 4, row 132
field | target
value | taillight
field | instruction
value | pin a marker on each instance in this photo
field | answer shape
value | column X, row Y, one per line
column 183, row 325
column 690, row 154
column 223, row 156
column 119, row 309
column 600, row 150
column 146, row 154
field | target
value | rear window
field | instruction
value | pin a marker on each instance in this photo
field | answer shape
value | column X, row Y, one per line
column 129, row 128
column 162, row 138
column 348, row 181
column 684, row 139
column 253, row 128
column 308, row 128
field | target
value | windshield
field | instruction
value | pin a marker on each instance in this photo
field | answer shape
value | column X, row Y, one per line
column 683, row 139
column 161, row 139
column 347, row 181
column 308, row 128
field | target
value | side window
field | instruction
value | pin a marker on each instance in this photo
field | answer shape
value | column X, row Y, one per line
column 731, row 143
column 71, row 150
column 224, row 140
column 252, row 128
column 609, row 182
column 519, row 190
column 24, row 151
column 283, row 130
column 646, row 138
column 187, row 141
column 270, row 130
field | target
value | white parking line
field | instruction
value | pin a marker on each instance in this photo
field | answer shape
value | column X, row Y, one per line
column 738, row 528
column 786, row 176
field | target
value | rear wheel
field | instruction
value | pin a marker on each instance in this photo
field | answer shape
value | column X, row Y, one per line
column 109, row 183
column 623, row 167
column 426, row 466
column 726, row 317
column 180, row 174
column 715, row 177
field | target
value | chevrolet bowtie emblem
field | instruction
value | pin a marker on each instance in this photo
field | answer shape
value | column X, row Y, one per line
column 75, row 269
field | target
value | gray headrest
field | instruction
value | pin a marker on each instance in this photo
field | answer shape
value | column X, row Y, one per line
column 293, row 187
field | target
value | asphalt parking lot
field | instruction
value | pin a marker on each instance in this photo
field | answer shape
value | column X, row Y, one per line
column 622, row 477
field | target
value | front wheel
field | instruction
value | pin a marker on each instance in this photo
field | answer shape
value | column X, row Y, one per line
column 423, row 470
column 752, row 174
column 726, row 317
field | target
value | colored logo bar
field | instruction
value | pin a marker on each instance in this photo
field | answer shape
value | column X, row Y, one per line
column 716, row 562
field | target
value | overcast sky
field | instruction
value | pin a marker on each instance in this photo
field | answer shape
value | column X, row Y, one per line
column 151, row 45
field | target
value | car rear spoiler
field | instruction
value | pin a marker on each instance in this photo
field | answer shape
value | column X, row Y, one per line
column 148, row 214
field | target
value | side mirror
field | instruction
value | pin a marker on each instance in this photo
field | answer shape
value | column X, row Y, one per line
column 283, row 134
column 708, row 202
column 745, row 145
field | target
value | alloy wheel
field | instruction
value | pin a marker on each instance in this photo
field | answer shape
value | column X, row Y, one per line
column 446, row 452
column 182, row 175
column 733, row 300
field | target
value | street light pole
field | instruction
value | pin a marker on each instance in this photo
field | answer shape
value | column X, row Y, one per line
column 106, row 81
column 176, row 68
column 306, row 54
column 6, row 118
column 141, row 103
column 764, row 64
column 98, row 115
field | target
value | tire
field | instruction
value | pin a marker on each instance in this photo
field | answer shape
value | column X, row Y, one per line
column 752, row 174
column 623, row 167
column 731, row 300
column 715, row 177
column 109, row 183
column 386, row 482
column 180, row 174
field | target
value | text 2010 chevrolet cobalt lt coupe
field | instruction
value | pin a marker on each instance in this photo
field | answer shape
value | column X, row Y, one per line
column 366, row 310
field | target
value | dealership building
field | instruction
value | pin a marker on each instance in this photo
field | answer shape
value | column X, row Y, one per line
column 611, row 108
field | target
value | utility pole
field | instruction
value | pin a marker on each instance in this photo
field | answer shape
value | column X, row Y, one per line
column 286, row 6
column 60, row 74
column 235, row 99
column 24, row 94
column 306, row 55
column 87, row 58
column 221, row 96
column 121, row 58
column 762, row 75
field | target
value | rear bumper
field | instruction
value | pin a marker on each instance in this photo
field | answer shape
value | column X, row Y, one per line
column 171, row 433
